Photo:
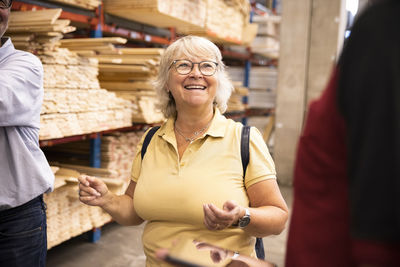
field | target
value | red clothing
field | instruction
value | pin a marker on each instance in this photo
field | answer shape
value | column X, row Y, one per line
column 346, row 208
column 319, row 233
column 319, row 228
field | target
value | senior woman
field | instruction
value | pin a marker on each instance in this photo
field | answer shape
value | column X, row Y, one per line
column 190, row 182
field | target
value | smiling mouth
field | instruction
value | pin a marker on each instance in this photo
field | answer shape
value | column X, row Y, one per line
column 195, row 87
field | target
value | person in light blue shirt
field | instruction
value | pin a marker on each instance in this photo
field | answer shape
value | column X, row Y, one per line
column 24, row 171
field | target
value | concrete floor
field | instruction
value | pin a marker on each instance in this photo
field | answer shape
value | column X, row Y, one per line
column 121, row 246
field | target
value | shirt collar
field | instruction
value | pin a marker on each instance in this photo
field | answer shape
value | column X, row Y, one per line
column 216, row 129
column 7, row 48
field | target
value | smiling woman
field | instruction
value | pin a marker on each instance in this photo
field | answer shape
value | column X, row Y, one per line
column 188, row 48
column 191, row 184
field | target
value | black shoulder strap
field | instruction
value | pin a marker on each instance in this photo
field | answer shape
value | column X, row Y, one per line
column 244, row 152
column 147, row 139
column 244, row 148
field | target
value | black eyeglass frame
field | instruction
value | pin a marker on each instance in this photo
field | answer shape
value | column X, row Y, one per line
column 4, row 6
column 193, row 63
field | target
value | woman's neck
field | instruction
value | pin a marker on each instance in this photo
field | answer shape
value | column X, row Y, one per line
column 191, row 121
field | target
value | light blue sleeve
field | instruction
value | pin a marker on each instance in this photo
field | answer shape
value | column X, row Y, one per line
column 21, row 90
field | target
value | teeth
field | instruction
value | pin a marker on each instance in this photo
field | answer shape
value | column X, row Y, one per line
column 194, row 87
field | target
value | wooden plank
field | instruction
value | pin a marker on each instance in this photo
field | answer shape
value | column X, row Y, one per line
column 142, row 51
column 85, row 53
column 269, row 128
column 49, row 15
column 87, row 4
column 105, row 47
column 138, row 85
column 93, row 41
column 26, row 28
column 122, row 68
column 22, row 37
column 116, row 59
column 62, row 22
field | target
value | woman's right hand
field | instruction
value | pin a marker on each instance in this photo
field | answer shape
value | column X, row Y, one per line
column 93, row 191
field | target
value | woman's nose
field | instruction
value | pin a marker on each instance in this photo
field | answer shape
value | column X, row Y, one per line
column 196, row 71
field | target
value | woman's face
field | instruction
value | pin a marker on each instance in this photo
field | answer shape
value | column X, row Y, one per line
column 193, row 89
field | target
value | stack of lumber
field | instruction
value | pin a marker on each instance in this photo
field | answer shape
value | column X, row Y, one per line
column 266, row 42
column 86, row 4
column 235, row 103
column 130, row 76
column 128, row 72
column 66, row 215
column 93, row 46
column 223, row 21
column 37, row 30
column 117, row 153
column 73, row 101
column 66, row 70
column 226, row 22
column 263, row 82
column 227, row 19
column 179, row 14
column 262, row 85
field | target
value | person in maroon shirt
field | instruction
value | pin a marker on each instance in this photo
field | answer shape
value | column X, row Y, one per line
column 346, row 209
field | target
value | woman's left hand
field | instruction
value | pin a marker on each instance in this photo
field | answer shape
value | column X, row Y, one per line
column 218, row 219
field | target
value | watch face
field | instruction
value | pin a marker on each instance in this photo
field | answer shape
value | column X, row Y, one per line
column 244, row 221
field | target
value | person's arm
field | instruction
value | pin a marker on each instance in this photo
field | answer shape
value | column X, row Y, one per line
column 268, row 211
column 94, row 192
column 21, row 91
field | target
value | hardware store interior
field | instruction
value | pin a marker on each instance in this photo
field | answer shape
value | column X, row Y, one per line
column 100, row 59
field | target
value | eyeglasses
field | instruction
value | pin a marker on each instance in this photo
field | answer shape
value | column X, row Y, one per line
column 184, row 66
column 4, row 4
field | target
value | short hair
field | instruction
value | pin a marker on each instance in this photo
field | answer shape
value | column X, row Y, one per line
column 191, row 46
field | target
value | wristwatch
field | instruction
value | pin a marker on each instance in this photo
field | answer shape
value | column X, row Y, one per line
column 245, row 220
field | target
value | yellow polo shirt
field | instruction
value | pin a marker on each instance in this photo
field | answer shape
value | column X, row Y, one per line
column 170, row 193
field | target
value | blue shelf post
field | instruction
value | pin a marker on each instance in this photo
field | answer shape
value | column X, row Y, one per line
column 95, row 151
column 95, row 162
column 94, row 235
column 95, row 143
column 246, row 81
column 98, row 31
column 274, row 4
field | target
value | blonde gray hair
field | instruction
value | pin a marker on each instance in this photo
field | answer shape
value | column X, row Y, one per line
column 191, row 46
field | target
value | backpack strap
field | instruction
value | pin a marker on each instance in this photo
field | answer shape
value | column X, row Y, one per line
column 147, row 140
column 244, row 152
column 244, row 148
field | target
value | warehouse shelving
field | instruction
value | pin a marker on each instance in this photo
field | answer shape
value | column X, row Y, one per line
column 97, row 20
column 94, row 135
column 72, row 13
column 134, row 127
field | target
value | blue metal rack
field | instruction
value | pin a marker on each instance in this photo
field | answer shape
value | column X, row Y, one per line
column 247, row 69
